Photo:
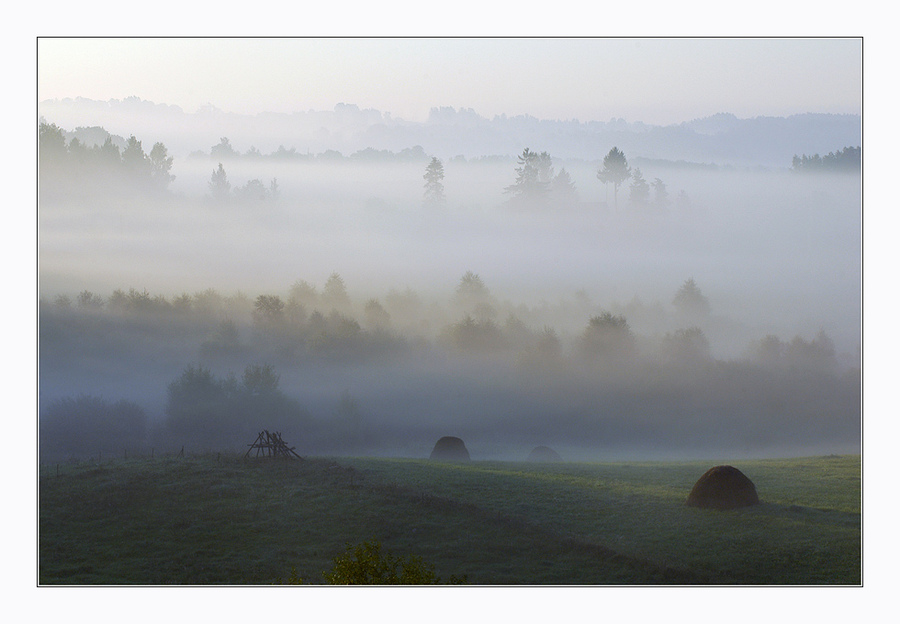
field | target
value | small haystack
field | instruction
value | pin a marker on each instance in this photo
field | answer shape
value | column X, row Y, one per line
column 544, row 454
column 450, row 448
column 723, row 487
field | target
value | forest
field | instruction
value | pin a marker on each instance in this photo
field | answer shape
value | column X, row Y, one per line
column 370, row 306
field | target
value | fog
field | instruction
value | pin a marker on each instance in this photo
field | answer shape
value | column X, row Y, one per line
column 774, row 253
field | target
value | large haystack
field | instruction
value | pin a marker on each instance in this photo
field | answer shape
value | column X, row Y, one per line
column 544, row 454
column 450, row 448
column 723, row 487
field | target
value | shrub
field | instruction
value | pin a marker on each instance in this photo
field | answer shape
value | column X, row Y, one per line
column 366, row 564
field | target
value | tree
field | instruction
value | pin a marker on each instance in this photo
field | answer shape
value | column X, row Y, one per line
column 134, row 158
column 218, row 184
column 377, row 318
column 78, row 152
column 434, row 187
column 660, row 194
column 367, row 564
column 224, row 412
column 563, row 189
column 303, row 293
column 223, row 151
column 847, row 159
column 687, row 346
column 109, row 153
column 476, row 335
column 253, row 191
column 608, row 336
column 160, row 165
column 195, row 399
column 616, row 170
column 51, row 144
column 89, row 301
column 471, row 290
column 258, row 380
column 268, row 311
column 640, row 190
column 334, row 294
column 689, row 301
column 816, row 354
column 768, row 350
column 225, row 340
column 533, row 178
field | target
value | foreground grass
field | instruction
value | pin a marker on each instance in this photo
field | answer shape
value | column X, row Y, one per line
column 222, row 520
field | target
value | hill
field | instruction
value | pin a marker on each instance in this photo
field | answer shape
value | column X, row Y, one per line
column 722, row 139
column 219, row 519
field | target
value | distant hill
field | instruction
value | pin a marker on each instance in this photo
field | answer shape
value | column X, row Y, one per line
column 721, row 139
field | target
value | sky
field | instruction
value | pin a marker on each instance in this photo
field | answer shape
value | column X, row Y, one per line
column 652, row 80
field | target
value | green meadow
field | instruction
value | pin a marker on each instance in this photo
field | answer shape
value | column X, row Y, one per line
column 222, row 520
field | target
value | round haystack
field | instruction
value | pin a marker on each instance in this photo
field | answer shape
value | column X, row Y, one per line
column 450, row 448
column 723, row 487
column 544, row 454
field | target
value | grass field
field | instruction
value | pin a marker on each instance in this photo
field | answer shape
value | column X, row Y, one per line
column 219, row 519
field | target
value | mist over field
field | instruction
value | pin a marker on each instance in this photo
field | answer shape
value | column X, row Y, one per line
column 322, row 296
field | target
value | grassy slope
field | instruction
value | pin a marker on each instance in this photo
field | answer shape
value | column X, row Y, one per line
column 225, row 521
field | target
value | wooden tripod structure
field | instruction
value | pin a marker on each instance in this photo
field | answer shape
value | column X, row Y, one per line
column 271, row 445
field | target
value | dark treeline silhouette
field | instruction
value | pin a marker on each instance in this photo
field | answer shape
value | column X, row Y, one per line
column 67, row 165
column 494, row 369
column 847, row 160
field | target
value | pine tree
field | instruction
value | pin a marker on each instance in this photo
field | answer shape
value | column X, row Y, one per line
column 616, row 170
column 434, row 187
column 640, row 190
column 219, row 185
column 534, row 175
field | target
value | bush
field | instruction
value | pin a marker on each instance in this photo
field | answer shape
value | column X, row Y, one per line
column 366, row 564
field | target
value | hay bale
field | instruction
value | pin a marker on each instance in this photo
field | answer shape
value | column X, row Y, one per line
column 544, row 454
column 450, row 448
column 723, row 487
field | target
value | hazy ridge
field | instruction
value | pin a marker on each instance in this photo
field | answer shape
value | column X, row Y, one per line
column 722, row 139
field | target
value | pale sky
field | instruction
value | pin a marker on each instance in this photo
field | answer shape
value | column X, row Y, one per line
column 657, row 81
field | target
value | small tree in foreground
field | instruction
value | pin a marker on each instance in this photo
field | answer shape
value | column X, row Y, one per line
column 366, row 564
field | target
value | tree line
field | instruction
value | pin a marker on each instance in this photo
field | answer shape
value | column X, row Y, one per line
column 537, row 185
column 224, row 151
column 265, row 335
column 847, row 160
column 75, row 162
column 309, row 324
